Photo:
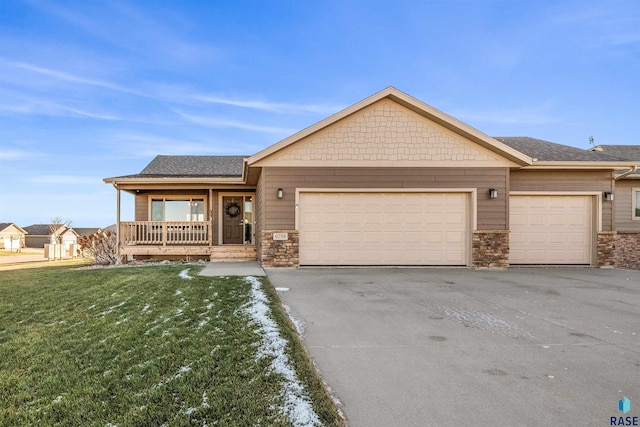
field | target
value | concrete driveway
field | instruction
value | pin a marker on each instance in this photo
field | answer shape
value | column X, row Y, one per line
column 452, row 347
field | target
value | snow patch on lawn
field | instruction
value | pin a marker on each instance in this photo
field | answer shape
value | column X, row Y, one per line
column 203, row 322
column 181, row 371
column 145, row 308
column 184, row 274
column 299, row 324
column 113, row 307
column 297, row 404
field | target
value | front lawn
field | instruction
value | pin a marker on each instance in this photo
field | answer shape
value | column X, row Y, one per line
column 151, row 346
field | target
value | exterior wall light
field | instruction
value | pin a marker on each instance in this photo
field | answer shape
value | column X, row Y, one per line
column 280, row 193
column 608, row 196
column 493, row 193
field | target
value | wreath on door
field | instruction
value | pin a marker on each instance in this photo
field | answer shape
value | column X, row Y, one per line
column 232, row 209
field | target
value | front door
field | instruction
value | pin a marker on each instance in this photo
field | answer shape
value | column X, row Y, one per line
column 232, row 220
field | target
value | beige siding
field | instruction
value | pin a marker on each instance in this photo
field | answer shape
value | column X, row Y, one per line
column 623, row 206
column 142, row 207
column 385, row 133
column 598, row 181
column 280, row 214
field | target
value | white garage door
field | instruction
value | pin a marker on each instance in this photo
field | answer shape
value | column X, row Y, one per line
column 384, row 228
column 550, row 229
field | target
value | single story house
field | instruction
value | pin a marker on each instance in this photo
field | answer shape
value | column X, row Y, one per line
column 11, row 236
column 389, row 180
column 40, row 235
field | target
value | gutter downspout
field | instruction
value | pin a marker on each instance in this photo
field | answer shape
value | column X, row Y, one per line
column 629, row 172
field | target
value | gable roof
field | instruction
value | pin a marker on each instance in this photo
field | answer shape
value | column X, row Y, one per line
column 5, row 225
column 84, row 231
column 43, row 229
column 541, row 150
column 416, row 106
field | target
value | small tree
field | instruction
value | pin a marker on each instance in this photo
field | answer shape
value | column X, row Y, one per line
column 57, row 239
column 102, row 246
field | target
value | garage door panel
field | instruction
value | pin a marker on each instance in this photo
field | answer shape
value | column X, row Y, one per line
column 551, row 229
column 386, row 228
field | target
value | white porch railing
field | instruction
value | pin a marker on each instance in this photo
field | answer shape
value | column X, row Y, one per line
column 165, row 233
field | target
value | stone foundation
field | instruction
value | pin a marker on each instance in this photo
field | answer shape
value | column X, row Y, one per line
column 490, row 249
column 282, row 251
column 606, row 249
column 627, row 250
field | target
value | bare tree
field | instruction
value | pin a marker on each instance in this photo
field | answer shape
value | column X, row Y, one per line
column 58, row 237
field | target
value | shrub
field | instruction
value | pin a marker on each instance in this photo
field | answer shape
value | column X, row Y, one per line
column 102, row 246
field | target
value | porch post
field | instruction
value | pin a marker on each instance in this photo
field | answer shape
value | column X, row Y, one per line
column 118, row 221
column 210, row 217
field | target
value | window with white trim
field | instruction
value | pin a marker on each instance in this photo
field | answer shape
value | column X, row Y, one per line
column 635, row 194
column 180, row 209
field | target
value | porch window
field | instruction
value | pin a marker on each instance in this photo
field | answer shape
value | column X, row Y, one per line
column 636, row 203
column 170, row 209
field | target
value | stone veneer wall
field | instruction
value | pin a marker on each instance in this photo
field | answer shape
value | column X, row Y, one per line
column 627, row 250
column 279, row 253
column 490, row 249
column 606, row 248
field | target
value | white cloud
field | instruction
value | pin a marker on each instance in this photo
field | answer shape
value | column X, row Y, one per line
column 216, row 122
column 273, row 107
column 72, row 78
column 605, row 23
column 14, row 154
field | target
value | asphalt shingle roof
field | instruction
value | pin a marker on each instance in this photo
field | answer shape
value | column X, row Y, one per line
column 192, row 166
column 627, row 152
column 39, row 229
column 4, row 225
column 550, row 151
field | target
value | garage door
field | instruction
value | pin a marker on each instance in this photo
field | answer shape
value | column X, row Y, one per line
column 384, row 228
column 550, row 229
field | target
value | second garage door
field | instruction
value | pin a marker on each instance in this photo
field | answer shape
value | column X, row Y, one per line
column 351, row 228
column 550, row 229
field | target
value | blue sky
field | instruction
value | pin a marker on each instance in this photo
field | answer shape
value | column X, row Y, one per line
column 90, row 90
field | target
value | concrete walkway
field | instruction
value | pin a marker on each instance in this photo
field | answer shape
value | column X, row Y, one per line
column 218, row 269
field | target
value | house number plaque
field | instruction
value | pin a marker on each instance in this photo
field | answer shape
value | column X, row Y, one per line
column 280, row 236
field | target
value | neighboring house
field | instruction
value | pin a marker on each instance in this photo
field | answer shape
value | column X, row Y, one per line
column 626, row 205
column 40, row 235
column 84, row 232
column 387, row 181
column 11, row 236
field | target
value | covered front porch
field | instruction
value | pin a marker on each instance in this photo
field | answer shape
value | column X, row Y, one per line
column 212, row 223
column 187, row 207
